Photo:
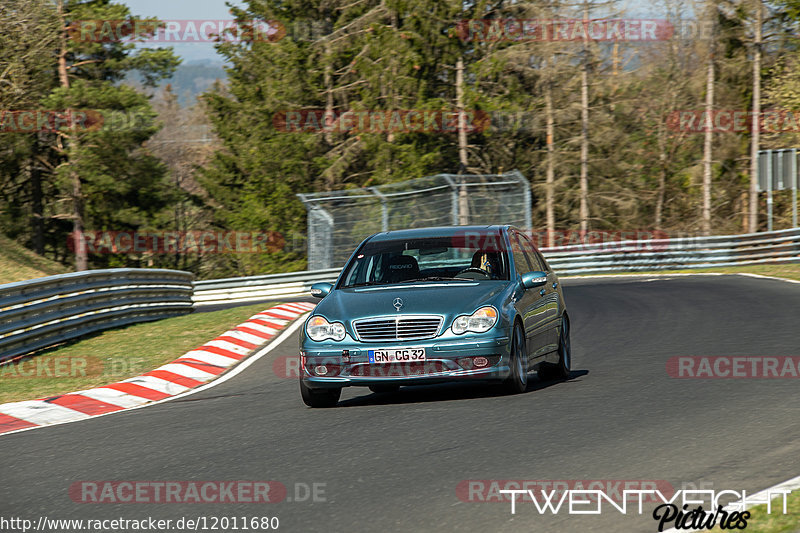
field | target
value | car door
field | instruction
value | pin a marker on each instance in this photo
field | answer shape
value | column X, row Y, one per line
column 551, row 300
column 532, row 305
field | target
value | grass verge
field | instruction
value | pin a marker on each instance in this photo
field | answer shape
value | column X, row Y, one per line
column 17, row 263
column 116, row 354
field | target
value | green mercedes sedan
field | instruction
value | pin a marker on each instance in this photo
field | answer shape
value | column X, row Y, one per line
column 434, row 305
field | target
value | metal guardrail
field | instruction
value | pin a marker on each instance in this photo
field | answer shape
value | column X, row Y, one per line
column 45, row 311
column 293, row 284
column 42, row 312
column 676, row 254
column 610, row 257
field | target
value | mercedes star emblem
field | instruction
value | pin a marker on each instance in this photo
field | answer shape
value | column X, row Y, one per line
column 397, row 303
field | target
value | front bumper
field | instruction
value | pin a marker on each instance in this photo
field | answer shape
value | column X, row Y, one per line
column 347, row 363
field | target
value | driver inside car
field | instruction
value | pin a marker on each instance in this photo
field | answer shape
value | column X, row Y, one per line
column 487, row 261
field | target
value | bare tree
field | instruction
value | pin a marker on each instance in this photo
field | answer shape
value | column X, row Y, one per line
column 709, row 127
column 584, row 179
column 756, row 125
column 81, row 253
column 463, row 200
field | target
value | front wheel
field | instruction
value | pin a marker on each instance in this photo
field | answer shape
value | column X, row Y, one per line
column 517, row 382
column 561, row 369
column 319, row 397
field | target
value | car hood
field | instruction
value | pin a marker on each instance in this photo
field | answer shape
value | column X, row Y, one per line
column 438, row 298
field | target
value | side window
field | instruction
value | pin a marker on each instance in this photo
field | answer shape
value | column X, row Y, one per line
column 534, row 258
column 543, row 261
column 521, row 263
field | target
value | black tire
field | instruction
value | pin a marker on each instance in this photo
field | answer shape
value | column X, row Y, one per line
column 561, row 369
column 517, row 382
column 319, row 397
column 384, row 388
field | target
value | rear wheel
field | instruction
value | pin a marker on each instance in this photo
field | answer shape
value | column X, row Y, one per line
column 384, row 388
column 517, row 382
column 561, row 369
column 319, row 397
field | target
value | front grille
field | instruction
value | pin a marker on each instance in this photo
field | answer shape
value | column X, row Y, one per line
column 400, row 328
column 393, row 370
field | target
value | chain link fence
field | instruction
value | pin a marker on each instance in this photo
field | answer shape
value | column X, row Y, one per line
column 339, row 220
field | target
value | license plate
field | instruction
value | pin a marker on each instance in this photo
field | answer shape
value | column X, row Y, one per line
column 396, row 355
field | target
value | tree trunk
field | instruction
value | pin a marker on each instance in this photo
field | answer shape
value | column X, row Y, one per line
column 709, row 133
column 328, row 119
column 550, row 176
column 37, row 209
column 756, row 125
column 81, row 256
column 584, row 179
column 662, row 177
column 463, row 200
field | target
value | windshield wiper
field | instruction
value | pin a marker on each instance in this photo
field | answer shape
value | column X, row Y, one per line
column 434, row 278
column 364, row 284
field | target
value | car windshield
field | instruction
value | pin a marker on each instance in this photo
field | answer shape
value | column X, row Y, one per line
column 388, row 262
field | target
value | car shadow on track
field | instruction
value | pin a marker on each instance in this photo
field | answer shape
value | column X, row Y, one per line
column 450, row 391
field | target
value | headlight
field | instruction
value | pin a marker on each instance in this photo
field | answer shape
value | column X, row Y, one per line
column 478, row 322
column 319, row 329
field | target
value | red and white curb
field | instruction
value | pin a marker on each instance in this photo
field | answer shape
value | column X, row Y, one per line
column 192, row 370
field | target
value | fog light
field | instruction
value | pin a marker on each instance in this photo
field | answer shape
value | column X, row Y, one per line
column 481, row 362
column 321, row 370
column 466, row 363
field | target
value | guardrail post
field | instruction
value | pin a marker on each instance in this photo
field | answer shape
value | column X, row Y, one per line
column 526, row 195
column 769, row 192
column 453, row 199
column 384, row 208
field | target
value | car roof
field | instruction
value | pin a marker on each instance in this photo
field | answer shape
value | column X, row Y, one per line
column 437, row 231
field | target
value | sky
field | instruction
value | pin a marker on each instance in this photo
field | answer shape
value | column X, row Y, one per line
column 183, row 10
column 218, row 10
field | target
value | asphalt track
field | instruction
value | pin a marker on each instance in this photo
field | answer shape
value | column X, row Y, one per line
column 392, row 462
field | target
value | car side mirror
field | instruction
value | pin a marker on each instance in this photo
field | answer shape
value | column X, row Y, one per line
column 534, row 279
column 321, row 290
